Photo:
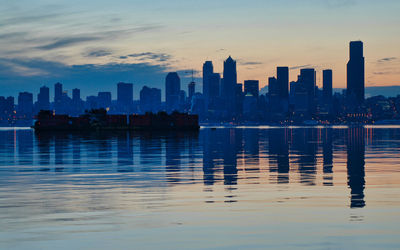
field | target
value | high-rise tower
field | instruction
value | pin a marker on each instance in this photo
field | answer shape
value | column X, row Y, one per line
column 356, row 74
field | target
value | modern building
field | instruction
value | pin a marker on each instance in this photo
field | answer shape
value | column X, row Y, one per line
column 124, row 97
column 327, row 85
column 43, row 99
column 172, row 91
column 228, row 90
column 208, row 70
column 191, row 90
column 150, row 100
column 104, row 100
column 251, row 86
column 282, row 77
column 25, row 104
column 356, row 74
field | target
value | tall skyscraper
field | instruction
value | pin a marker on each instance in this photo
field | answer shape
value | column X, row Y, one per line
column 43, row 98
column 307, row 79
column 208, row 70
column 214, row 93
column 124, row 96
column 327, row 85
column 356, row 74
column 252, row 87
column 228, row 91
column 25, row 104
column 282, row 77
column 172, row 91
column 76, row 95
column 58, row 92
column 191, row 90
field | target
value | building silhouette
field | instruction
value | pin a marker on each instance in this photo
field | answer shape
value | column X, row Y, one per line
column 356, row 74
column 150, row 99
column 208, row 70
column 104, row 100
column 25, row 105
column 124, row 97
column 172, row 91
column 191, row 90
column 43, row 99
column 282, row 78
column 229, row 89
column 252, row 87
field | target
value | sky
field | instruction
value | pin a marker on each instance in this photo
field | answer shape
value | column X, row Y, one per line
column 94, row 44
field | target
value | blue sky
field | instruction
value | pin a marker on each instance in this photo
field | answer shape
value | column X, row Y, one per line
column 94, row 44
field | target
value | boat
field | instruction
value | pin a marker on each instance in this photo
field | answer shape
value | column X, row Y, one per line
column 98, row 119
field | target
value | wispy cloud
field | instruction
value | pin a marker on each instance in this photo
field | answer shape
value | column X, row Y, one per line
column 66, row 42
column 248, row 63
column 387, row 59
column 98, row 53
column 161, row 57
column 300, row 66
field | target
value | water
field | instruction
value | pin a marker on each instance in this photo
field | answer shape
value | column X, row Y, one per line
column 312, row 188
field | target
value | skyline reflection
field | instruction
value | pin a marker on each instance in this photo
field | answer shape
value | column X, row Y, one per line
column 226, row 156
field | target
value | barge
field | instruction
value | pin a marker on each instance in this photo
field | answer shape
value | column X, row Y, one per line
column 98, row 119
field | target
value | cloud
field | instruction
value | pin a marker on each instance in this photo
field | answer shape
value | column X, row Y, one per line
column 98, row 53
column 249, row 63
column 387, row 59
column 66, row 42
column 300, row 67
column 160, row 57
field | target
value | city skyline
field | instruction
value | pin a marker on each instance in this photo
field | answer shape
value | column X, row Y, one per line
column 149, row 40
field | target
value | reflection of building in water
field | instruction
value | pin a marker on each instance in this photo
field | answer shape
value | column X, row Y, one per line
column 124, row 153
column 232, row 139
column 25, row 147
column 327, row 149
column 60, row 145
column 44, row 144
column 7, row 146
column 173, row 158
column 251, row 140
column 150, row 151
column 211, row 149
column 279, row 154
column 104, row 147
column 76, row 150
column 355, row 166
column 305, row 144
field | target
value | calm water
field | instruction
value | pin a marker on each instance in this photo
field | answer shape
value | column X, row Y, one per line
column 229, row 188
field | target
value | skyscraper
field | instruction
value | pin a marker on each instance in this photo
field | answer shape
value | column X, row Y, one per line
column 208, row 70
column 124, row 96
column 58, row 92
column 228, row 91
column 307, row 79
column 282, row 77
column 76, row 95
column 191, row 90
column 327, row 85
column 356, row 74
column 150, row 99
column 172, row 91
column 252, row 87
column 43, row 98
column 25, row 104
